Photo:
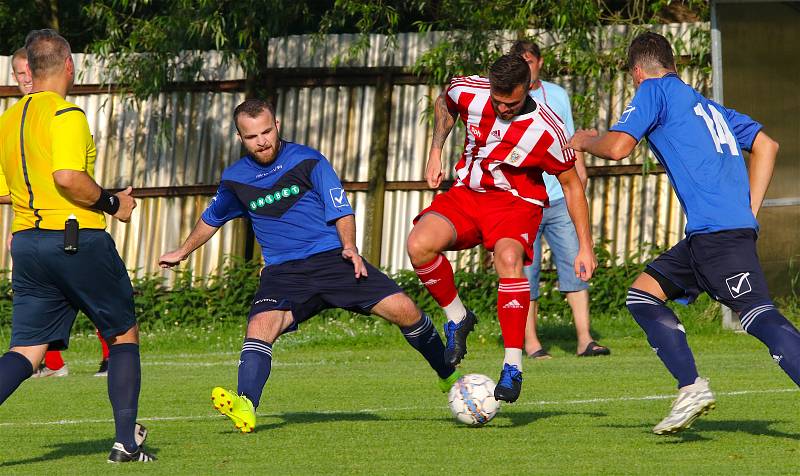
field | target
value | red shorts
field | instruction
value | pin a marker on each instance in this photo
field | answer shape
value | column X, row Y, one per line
column 486, row 217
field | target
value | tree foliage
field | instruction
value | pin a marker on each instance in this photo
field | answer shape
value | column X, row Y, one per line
column 585, row 40
column 149, row 43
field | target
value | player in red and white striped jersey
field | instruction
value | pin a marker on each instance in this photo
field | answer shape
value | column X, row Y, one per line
column 496, row 201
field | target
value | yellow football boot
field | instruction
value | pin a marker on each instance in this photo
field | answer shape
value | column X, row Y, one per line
column 236, row 407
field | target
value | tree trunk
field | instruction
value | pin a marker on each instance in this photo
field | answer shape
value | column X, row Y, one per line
column 378, row 161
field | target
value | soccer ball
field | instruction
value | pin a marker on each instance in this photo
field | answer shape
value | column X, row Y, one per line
column 472, row 400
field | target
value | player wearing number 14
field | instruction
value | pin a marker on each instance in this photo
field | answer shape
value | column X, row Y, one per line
column 699, row 143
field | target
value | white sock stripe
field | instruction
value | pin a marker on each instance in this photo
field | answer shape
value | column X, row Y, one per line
column 634, row 296
column 636, row 292
column 430, row 268
column 752, row 316
column 257, row 347
column 757, row 309
column 642, row 301
column 642, row 294
column 513, row 287
column 257, row 344
column 423, row 328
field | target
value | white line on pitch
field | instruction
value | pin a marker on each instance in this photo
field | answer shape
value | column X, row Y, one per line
column 403, row 409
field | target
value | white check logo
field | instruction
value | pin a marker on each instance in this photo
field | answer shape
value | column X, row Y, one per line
column 339, row 198
column 739, row 284
column 742, row 285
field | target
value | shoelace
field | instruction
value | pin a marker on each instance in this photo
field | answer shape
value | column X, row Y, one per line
column 450, row 328
column 508, row 376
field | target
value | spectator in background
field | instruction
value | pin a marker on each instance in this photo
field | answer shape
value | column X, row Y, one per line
column 556, row 225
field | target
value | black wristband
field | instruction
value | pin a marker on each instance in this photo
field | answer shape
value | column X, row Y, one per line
column 106, row 203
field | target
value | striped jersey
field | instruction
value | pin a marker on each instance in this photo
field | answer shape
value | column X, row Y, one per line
column 40, row 134
column 506, row 155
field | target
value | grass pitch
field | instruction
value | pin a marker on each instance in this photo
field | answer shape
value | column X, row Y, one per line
column 371, row 406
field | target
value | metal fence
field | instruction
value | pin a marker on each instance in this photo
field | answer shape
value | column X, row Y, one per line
column 173, row 148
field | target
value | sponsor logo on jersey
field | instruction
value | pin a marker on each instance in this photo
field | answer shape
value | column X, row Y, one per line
column 339, row 198
column 512, row 304
column 271, row 198
column 626, row 114
column 525, row 237
column 496, row 134
column 476, row 132
column 739, row 285
column 269, row 172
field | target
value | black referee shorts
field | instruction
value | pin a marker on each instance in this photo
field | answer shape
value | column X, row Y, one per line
column 50, row 286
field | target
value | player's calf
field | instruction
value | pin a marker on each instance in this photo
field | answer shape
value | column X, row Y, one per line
column 15, row 368
column 778, row 334
column 665, row 334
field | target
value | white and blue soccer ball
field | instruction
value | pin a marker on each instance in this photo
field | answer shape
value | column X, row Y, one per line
column 472, row 400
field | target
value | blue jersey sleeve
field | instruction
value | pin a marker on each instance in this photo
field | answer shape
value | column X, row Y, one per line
column 743, row 127
column 224, row 206
column 643, row 113
column 326, row 183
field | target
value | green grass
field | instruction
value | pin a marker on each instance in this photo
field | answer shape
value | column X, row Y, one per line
column 338, row 404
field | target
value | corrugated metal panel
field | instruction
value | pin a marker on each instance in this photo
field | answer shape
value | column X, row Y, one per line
column 189, row 138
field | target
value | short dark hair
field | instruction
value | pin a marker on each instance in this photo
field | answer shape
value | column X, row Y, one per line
column 46, row 50
column 252, row 107
column 651, row 51
column 20, row 53
column 521, row 47
column 508, row 72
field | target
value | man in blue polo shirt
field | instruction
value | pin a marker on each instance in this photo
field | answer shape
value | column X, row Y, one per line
column 556, row 226
column 699, row 143
column 307, row 231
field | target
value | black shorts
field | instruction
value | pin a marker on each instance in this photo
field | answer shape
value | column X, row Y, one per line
column 723, row 264
column 50, row 286
column 321, row 281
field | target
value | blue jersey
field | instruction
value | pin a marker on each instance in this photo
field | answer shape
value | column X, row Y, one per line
column 699, row 143
column 292, row 202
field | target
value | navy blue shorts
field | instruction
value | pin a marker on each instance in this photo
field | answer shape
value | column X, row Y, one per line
column 50, row 286
column 723, row 264
column 321, row 281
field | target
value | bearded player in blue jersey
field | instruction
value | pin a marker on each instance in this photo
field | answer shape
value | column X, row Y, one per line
column 306, row 228
column 699, row 143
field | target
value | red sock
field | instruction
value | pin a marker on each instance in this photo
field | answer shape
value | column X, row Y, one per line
column 103, row 343
column 437, row 276
column 513, row 300
column 53, row 360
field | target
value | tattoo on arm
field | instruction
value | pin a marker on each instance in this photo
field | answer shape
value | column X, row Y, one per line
column 443, row 122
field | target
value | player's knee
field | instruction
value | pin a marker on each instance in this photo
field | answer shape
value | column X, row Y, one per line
column 398, row 309
column 508, row 263
column 267, row 326
column 420, row 247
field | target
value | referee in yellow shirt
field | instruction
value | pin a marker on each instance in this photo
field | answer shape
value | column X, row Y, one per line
column 47, row 157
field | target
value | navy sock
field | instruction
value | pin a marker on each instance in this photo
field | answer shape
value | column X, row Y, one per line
column 255, row 364
column 778, row 334
column 124, row 381
column 424, row 337
column 665, row 333
column 14, row 369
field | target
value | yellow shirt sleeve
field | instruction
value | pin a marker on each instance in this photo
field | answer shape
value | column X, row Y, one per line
column 72, row 140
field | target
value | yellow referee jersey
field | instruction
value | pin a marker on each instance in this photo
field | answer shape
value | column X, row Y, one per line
column 40, row 134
